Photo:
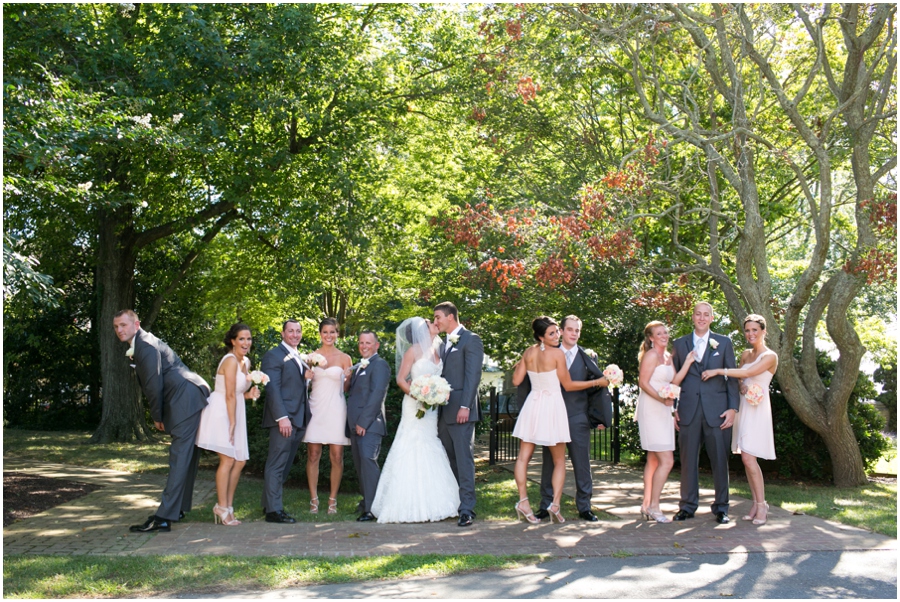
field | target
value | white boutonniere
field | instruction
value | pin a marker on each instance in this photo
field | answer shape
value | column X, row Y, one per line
column 453, row 338
column 130, row 353
column 364, row 363
column 591, row 354
column 713, row 343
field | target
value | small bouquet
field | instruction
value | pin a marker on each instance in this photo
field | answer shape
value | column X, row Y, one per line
column 258, row 379
column 754, row 394
column 614, row 375
column 670, row 391
column 314, row 359
column 430, row 391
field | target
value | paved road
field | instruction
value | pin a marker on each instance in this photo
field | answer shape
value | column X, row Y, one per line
column 718, row 576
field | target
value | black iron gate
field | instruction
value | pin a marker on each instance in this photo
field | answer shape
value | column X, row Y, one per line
column 605, row 445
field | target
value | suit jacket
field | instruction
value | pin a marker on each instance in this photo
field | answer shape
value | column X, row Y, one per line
column 712, row 396
column 169, row 386
column 462, row 369
column 365, row 399
column 286, row 391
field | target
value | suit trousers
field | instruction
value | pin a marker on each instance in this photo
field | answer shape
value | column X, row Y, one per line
column 282, row 451
column 580, row 455
column 184, row 460
column 459, row 443
column 366, row 450
column 718, row 446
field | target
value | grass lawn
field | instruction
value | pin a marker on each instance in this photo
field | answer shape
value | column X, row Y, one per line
column 119, row 577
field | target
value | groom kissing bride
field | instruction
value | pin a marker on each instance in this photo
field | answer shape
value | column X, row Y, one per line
column 422, row 479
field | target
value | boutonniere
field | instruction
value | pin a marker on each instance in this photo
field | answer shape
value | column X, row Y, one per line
column 591, row 354
column 453, row 338
column 364, row 363
column 713, row 343
column 130, row 353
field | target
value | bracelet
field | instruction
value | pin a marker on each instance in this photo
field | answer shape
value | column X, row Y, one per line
column 726, row 373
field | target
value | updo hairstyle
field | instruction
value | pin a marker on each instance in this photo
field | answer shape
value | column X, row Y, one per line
column 232, row 334
column 540, row 325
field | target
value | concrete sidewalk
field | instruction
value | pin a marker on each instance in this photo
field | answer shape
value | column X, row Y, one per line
column 98, row 524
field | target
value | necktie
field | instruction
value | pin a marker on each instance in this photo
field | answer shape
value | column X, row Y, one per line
column 700, row 348
column 570, row 357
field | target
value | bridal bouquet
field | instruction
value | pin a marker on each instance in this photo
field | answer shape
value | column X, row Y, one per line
column 670, row 391
column 430, row 391
column 314, row 359
column 258, row 379
column 754, row 394
column 614, row 375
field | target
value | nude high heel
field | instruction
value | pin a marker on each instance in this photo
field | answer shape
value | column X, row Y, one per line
column 752, row 514
column 223, row 513
column 555, row 516
column 645, row 515
column 758, row 521
column 314, row 505
column 530, row 517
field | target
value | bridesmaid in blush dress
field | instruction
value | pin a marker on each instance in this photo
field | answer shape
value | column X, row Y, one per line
column 543, row 419
column 654, row 414
column 753, row 436
column 223, row 422
column 328, row 407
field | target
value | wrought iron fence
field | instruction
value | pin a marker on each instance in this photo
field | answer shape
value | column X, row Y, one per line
column 503, row 412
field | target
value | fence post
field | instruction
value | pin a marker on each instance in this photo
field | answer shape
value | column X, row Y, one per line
column 615, row 441
column 494, row 404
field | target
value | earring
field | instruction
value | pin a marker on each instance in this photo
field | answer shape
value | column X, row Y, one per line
column 542, row 345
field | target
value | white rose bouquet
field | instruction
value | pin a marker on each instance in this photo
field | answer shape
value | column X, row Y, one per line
column 754, row 394
column 258, row 379
column 430, row 391
column 614, row 375
column 314, row 359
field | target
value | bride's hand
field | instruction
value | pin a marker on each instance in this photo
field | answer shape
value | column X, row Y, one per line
column 348, row 371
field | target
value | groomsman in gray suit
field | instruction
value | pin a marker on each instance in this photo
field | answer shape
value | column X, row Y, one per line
column 581, row 367
column 463, row 356
column 705, row 412
column 365, row 417
column 176, row 396
column 286, row 415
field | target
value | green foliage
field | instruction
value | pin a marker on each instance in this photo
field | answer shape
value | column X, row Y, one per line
column 802, row 453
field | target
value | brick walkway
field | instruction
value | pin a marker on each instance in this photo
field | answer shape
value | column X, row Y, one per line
column 98, row 524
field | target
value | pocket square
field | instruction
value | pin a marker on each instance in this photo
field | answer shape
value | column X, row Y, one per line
column 361, row 373
column 715, row 354
column 452, row 349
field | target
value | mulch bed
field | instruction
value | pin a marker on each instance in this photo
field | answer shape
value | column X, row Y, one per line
column 25, row 495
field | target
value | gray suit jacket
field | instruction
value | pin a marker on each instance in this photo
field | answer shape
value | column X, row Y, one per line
column 169, row 386
column 365, row 398
column 712, row 396
column 462, row 369
column 286, row 391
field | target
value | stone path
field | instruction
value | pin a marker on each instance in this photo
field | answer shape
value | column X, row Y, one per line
column 98, row 524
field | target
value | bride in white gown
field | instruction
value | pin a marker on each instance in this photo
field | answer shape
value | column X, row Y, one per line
column 416, row 484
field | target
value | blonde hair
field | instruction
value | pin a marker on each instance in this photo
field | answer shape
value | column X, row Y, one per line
column 647, row 345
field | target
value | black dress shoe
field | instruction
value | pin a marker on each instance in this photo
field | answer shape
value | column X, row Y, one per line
column 682, row 515
column 365, row 517
column 589, row 516
column 279, row 517
column 542, row 514
column 181, row 515
column 153, row 523
column 722, row 518
column 466, row 520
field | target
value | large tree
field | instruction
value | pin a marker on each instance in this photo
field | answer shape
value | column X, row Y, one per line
column 789, row 113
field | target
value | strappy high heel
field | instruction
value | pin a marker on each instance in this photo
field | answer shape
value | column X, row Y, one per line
column 645, row 515
column 223, row 513
column 752, row 514
column 658, row 516
column 234, row 521
column 530, row 517
column 757, row 521
column 314, row 505
column 332, row 505
column 555, row 516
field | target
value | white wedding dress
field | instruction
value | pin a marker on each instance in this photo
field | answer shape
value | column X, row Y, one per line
column 416, row 484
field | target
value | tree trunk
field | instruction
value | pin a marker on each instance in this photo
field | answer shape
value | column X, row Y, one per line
column 123, row 413
column 847, row 466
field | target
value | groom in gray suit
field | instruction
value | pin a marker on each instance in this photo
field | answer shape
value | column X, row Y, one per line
column 365, row 417
column 176, row 396
column 705, row 412
column 286, row 416
column 463, row 356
